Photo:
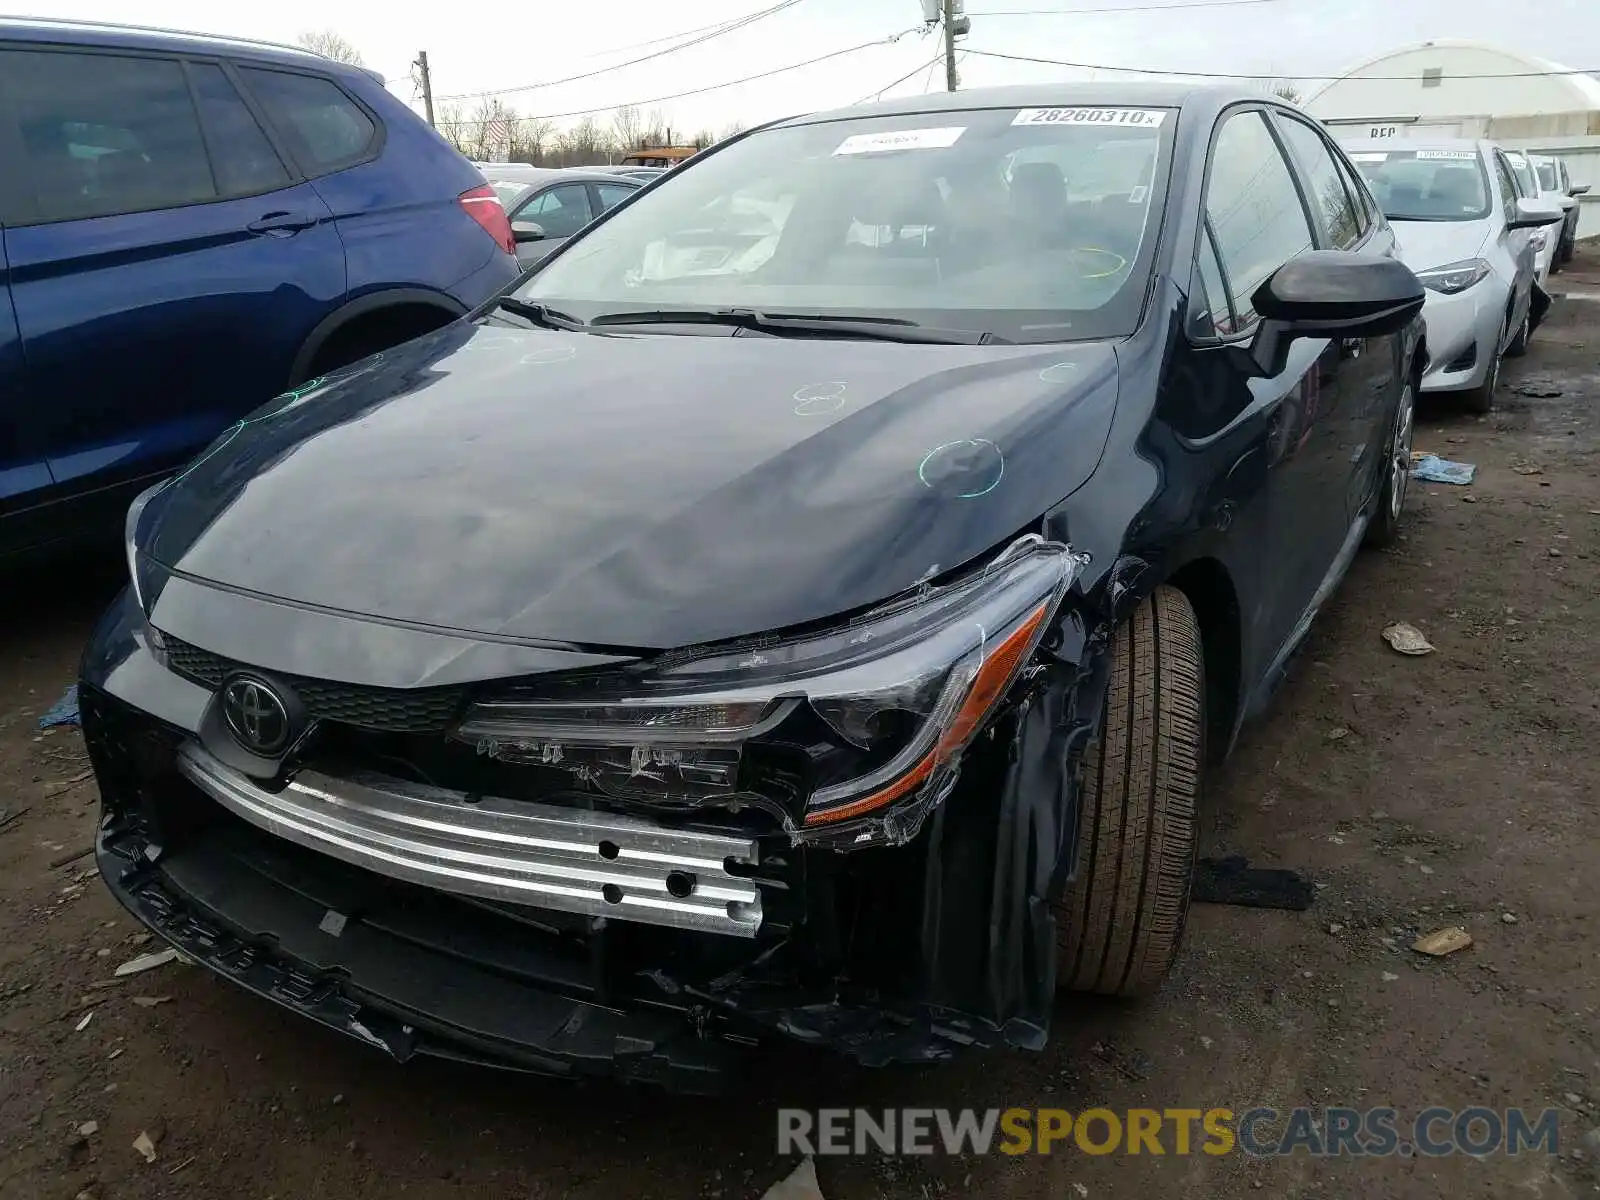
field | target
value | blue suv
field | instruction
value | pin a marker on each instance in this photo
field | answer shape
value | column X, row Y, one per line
column 189, row 226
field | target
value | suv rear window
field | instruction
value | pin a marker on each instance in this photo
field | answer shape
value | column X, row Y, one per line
column 102, row 134
column 326, row 128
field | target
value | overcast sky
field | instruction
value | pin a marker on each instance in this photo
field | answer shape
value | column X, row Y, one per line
column 478, row 47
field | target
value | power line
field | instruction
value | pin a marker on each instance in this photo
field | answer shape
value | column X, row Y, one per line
column 670, row 37
column 1130, row 8
column 878, row 95
column 715, row 32
column 714, row 87
column 1057, row 62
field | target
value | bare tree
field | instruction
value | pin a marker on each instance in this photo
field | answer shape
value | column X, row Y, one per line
column 330, row 45
column 533, row 140
column 627, row 126
column 583, row 143
column 731, row 129
column 452, row 125
column 1285, row 89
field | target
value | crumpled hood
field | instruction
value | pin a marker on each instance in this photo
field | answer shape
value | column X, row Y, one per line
column 1428, row 244
column 635, row 491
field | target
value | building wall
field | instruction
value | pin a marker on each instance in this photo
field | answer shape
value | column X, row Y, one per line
column 1398, row 86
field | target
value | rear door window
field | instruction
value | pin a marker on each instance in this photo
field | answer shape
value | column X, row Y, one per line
column 325, row 128
column 103, row 134
column 612, row 194
column 244, row 159
column 1329, row 196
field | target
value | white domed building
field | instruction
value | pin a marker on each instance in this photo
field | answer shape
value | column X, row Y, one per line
column 1468, row 89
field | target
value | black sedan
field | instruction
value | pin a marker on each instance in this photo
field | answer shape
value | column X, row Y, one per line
column 547, row 205
column 804, row 607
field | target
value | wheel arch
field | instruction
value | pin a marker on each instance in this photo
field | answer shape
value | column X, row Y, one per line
column 1209, row 588
column 367, row 308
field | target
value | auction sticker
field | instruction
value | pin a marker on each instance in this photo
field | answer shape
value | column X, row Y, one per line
column 1144, row 118
column 1460, row 155
column 1366, row 156
column 903, row 139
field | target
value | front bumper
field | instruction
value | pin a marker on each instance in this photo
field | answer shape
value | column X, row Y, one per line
column 399, row 915
column 1463, row 336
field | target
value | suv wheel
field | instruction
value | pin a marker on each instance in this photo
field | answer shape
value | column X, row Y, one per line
column 1119, row 924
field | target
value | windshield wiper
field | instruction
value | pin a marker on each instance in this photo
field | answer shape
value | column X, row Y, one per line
column 539, row 314
column 886, row 329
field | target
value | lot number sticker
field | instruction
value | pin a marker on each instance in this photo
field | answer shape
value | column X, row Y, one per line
column 904, row 139
column 1144, row 118
column 1462, row 155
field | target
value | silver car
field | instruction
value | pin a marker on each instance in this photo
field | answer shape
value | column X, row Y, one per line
column 1465, row 231
column 1555, row 184
column 1545, row 240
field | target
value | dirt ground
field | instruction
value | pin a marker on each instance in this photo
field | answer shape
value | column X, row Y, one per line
column 1458, row 788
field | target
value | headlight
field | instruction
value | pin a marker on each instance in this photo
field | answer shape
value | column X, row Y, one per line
column 865, row 720
column 130, row 541
column 1456, row 277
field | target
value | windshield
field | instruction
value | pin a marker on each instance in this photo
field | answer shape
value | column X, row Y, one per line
column 1032, row 225
column 1520, row 168
column 1426, row 185
column 507, row 191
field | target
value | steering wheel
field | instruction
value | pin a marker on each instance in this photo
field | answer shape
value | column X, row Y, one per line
column 1118, row 262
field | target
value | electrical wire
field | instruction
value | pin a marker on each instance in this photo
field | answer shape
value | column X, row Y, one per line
column 715, row 32
column 878, row 95
column 670, row 37
column 700, row 91
column 1131, row 8
column 1057, row 62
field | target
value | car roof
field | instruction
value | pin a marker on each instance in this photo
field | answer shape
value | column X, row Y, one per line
column 1160, row 94
column 1413, row 143
column 110, row 35
column 530, row 174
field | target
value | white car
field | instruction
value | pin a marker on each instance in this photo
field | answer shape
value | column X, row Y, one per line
column 1555, row 184
column 1546, row 240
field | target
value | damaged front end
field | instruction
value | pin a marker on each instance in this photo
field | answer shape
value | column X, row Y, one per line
column 850, row 837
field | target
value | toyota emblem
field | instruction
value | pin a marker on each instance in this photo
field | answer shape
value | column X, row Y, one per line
column 256, row 715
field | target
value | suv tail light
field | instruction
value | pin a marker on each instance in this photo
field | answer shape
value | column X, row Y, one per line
column 483, row 206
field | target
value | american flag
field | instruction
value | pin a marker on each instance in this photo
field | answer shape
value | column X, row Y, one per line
column 498, row 135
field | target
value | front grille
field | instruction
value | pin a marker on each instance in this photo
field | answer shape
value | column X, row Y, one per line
column 387, row 710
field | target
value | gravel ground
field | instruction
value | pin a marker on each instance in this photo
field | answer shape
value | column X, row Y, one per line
column 1457, row 788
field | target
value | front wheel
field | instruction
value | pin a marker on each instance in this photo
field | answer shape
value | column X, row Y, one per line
column 1385, row 526
column 1481, row 398
column 1120, row 922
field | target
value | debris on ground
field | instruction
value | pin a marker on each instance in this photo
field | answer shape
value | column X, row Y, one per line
column 1430, row 468
column 800, row 1184
column 146, row 1145
column 1508, row 918
column 63, row 712
column 1232, row 880
column 84, row 1024
column 1338, row 733
column 1443, row 941
column 1407, row 639
column 89, row 1128
column 146, row 962
column 1527, row 469
column 8, row 817
column 1537, row 389
column 150, row 1001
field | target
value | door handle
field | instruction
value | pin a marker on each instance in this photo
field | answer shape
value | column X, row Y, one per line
column 281, row 224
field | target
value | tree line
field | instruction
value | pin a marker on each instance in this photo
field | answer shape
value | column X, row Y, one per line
column 540, row 141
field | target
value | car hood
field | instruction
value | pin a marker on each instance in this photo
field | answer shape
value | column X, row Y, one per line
column 636, row 491
column 1428, row 244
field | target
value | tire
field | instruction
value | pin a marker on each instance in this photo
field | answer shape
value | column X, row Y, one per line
column 1385, row 525
column 1481, row 398
column 1519, row 344
column 1121, row 920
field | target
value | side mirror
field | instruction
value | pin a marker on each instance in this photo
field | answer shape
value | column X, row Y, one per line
column 1330, row 294
column 1578, row 189
column 527, row 231
column 1532, row 213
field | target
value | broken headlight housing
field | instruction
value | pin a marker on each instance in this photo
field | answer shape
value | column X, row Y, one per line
column 861, row 724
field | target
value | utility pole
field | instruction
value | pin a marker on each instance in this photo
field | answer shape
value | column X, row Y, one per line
column 426, row 80
column 949, row 45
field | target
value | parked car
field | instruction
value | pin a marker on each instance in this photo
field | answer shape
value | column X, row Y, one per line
column 1546, row 240
column 190, row 226
column 826, row 646
column 547, row 205
column 1556, row 184
column 643, row 174
column 1464, row 229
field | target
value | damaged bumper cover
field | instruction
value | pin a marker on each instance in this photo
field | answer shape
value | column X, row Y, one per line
column 579, row 939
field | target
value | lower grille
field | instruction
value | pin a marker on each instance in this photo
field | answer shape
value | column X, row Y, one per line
column 387, row 710
column 541, row 855
column 1464, row 361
